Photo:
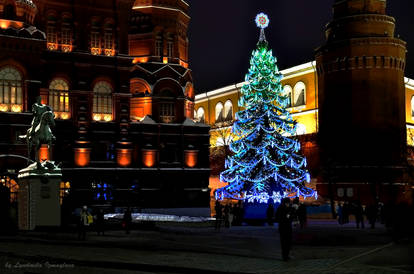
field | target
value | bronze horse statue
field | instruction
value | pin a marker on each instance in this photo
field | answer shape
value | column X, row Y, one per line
column 40, row 134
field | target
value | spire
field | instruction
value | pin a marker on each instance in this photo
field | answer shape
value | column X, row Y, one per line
column 262, row 22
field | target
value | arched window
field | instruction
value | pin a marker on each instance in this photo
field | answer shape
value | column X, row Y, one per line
column 287, row 92
column 200, row 115
column 11, row 90
column 228, row 111
column 11, row 184
column 59, row 98
column 102, row 101
column 219, row 112
column 299, row 94
column 412, row 107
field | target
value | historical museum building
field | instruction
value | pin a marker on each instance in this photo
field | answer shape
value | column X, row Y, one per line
column 116, row 75
column 354, row 108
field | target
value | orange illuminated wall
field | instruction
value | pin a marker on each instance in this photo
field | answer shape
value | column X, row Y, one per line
column 140, row 47
column 82, row 156
column 140, row 107
column 5, row 24
column 189, row 109
column 44, row 153
column 149, row 157
column 190, row 157
column 123, row 157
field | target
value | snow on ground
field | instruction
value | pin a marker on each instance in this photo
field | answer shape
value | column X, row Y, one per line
column 139, row 217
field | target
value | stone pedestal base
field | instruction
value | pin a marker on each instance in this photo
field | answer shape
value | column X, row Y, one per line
column 38, row 198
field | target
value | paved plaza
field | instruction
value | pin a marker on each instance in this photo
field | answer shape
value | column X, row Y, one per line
column 322, row 247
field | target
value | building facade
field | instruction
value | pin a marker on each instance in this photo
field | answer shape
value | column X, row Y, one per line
column 116, row 75
column 353, row 105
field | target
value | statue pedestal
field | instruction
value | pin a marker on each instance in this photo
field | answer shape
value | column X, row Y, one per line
column 38, row 196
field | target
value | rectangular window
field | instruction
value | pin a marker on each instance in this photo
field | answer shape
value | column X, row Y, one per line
column 108, row 41
column 109, row 48
column 66, row 36
column 52, row 41
column 10, row 96
column 167, row 112
column 95, row 43
column 170, row 49
column 158, row 48
column 59, row 100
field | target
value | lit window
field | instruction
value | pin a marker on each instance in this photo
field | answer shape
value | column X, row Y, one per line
column 167, row 112
column 59, row 98
column 158, row 48
column 219, row 112
column 10, row 90
column 64, row 190
column 299, row 94
column 52, row 40
column 287, row 92
column 66, row 39
column 228, row 111
column 102, row 102
column 102, row 191
column 95, row 43
column 11, row 185
column 109, row 44
column 200, row 115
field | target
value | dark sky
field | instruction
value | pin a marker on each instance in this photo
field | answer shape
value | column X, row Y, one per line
column 223, row 34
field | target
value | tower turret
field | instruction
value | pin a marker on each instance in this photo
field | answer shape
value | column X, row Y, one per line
column 158, row 31
column 361, row 93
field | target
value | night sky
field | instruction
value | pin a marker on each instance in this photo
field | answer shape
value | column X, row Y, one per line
column 223, row 34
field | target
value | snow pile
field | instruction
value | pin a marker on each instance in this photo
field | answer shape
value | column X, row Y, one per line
column 139, row 217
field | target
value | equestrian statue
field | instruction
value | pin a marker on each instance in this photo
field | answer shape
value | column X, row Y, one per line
column 40, row 133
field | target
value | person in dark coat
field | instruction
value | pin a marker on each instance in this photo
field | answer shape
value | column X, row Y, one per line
column 127, row 220
column 372, row 212
column 270, row 211
column 359, row 215
column 284, row 216
column 219, row 215
column 302, row 215
column 345, row 212
column 226, row 216
column 100, row 222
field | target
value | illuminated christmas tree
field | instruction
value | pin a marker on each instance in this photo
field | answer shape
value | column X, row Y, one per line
column 266, row 164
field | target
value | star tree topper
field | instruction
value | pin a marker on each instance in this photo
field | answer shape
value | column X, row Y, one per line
column 262, row 21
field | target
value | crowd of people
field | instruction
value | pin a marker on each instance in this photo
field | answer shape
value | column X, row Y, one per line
column 372, row 213
column 229, row 214
column 96, row 221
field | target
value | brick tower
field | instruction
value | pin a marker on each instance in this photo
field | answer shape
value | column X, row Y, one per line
column 360, row 70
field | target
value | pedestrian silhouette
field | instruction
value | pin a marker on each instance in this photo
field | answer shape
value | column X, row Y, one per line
column 270, row 212
column 284, row 216
column 219, row 215
column 85, row 219
column 100, row 222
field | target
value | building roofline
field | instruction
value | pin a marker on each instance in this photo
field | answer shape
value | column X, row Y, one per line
column 290, row 72
column 409, row 83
